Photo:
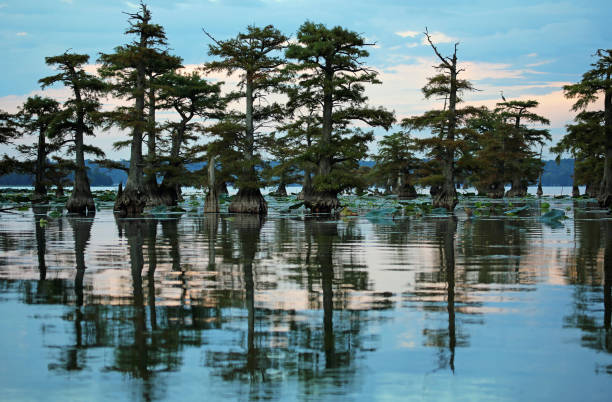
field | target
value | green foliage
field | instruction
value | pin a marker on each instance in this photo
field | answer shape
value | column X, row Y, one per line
column 330, row 95
column 256, row 55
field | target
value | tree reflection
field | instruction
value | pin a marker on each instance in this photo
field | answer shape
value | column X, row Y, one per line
column 73, row 357
column 40, row 211
column 438, row 300
column 325, row 234
column 252, row 362
column 591, row 273
column 142, row 352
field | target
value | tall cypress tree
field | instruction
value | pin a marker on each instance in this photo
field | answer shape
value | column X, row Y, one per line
column 36, row 117
column 127, row 69
column 195, row 100
column 525, row 165
column 595, row 82
column 331, row 70
column 447, row 125
column 256, row 56
column 81, row 114
column 585, row 141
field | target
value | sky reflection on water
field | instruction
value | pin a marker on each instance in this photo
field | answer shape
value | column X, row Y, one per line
column 302, row 308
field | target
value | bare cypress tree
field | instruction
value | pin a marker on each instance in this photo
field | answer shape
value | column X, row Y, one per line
column 597, row 81
column 445, row 124
column 80, row 115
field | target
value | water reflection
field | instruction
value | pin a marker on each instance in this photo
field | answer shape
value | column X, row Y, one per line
column 304, row 308
column 591, row 271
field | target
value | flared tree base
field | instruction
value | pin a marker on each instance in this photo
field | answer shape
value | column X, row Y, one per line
column 281, row 191
column 445, row 199
column 517, row 192
column 321, row 202
column 407, row 192
column 605, row 200
column 494, row 190
column 129, row 203
column 162, row 195
column 249, row 201
column 39, row 198
column 575, row 192
column 211, row 203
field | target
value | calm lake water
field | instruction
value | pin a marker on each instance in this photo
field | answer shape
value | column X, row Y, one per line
column 220, row 307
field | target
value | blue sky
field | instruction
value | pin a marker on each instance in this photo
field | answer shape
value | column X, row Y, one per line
column 528, row 49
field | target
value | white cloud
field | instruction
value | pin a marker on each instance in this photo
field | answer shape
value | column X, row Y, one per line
column 438, row 37
column 21, row 34
column 411, row 45
column 66, row 1
column 532, row 55
column 540, row 63
column 408, row 34
column 132, row 5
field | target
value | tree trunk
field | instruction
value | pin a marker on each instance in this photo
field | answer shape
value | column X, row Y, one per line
column 540, row 192
column 326, row 200
column 249, row 199
column 40, row 190
column 59, row 190
column 447, row 195
column 322, row 202
column 575, row 191
column 493, row 190
column 222, row 188
column 605, row 193
column 591, row 190
column 306, row 185
column 211, row 204
column 152, row 190
column 405, row 190
column 518, row 189
column 133, row 199
column 281, row 191
column 80, row 201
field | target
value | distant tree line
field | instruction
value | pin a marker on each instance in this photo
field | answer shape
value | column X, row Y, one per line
column 301, row 103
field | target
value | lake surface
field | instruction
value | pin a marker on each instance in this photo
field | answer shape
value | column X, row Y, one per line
column 297, row 307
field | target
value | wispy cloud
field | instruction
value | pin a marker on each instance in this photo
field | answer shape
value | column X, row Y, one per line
column 532, row 55
column 21, row 34
column 3, row 5
column 439, row 37
column 540, row 63
column 66, row 1
column 132, row 5
column 408, row 34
